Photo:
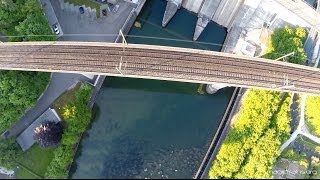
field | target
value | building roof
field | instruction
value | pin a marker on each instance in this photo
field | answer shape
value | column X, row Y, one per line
column 25, row 139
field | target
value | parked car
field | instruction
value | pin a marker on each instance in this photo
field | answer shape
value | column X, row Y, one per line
column 81, row 9
column 55, row 29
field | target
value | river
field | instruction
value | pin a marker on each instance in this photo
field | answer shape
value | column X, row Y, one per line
column 149, row 128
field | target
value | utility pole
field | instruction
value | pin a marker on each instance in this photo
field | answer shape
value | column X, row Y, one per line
column 123, row 38
column 292, row 53
column 124, row 43
column 286, row 83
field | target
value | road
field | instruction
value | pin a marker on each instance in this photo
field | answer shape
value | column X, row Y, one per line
column 299, row 128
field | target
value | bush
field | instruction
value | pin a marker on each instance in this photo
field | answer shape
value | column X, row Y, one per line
column 9, row 153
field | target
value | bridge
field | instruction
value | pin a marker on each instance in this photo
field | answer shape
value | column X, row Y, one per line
column 159, row 62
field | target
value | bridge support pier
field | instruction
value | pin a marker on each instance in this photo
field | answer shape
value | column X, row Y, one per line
column 202, row 22
column 171, row 9
column 213, row 88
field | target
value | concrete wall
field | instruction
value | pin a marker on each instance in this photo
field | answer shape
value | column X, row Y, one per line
column 192, row 5
column 209, row 8
column 219, row 11
column 226, row 12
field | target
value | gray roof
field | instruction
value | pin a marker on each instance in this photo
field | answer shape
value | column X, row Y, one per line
column 25, row 139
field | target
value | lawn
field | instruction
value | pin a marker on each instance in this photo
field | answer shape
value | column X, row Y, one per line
column 87, row 3
column 65, row 98
column 23, row 173
column 35, row 160
column 308, row 143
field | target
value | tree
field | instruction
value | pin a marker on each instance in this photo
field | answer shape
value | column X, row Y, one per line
column 9, row 152
column 253, row 143
column 19, row 91
column 35, row 25
column 48, row 134
column 286, row 40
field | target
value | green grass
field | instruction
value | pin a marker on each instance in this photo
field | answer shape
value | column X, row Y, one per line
column 65, row 98
column 36, row 160
column 307, row 142
column 87, row 3
column 23, row 173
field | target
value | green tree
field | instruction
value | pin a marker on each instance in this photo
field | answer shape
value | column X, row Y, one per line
column 35, row 25
column 19, row 91
column 286, row 40
column 9, row 152
column 48, row 134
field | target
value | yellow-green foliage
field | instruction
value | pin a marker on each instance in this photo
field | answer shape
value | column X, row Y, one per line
column 253, row 143
column 69, row 112
column 313, row 114
column 304, row 163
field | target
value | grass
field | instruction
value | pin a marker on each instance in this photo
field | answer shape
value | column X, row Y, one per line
column 87, row 3
column 307, row 142
column 23, row 173
column 36, row 160
column 65, row 98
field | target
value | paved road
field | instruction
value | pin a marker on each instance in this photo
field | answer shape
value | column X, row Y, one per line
column 104, row 29
column 309, row 152
column 51, row 16
column 301, row 124
column 59, row 83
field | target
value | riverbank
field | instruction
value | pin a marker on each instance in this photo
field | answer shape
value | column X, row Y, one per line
column 232, row 109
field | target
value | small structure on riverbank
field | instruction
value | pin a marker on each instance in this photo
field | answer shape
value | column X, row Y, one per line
column 25, row 139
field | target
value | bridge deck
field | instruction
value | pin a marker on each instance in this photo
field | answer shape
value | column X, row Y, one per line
column 158, row 62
